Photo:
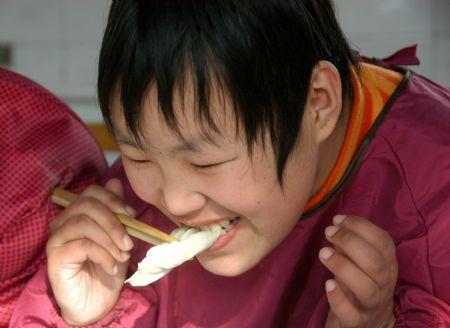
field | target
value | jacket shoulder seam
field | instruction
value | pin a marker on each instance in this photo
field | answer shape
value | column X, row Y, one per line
column 414, row 202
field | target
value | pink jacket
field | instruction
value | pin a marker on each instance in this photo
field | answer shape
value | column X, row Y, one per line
column 400, row 179
column 42, row 144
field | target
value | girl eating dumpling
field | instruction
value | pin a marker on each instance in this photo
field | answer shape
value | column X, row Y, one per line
column 330, row 176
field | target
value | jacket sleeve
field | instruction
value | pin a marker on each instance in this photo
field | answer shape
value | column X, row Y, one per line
column 37, row 307
column 422, row 149
column 423, row 290
column 417, row 308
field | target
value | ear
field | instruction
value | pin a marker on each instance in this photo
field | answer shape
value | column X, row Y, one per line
column 324, row 102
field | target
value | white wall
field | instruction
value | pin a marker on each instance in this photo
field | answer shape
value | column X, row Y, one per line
column 380, row 27
column 56, row 43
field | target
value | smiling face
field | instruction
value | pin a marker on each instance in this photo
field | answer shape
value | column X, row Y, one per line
column 197, row 180
column 265, row 57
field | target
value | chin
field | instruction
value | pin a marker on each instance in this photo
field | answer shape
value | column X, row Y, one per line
column 226, row 266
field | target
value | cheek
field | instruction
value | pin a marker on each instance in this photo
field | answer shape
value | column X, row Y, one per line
column 242, row 190
column 143, row 183
column 245, row 201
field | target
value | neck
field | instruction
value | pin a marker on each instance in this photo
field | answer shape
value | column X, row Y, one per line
column 330, row 150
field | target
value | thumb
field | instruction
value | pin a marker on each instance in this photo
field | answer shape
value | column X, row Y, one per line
column 115, row 186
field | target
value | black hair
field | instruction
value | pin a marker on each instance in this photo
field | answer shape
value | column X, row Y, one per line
column 260, row 53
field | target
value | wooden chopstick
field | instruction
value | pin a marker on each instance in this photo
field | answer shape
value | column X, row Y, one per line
column 134, row 227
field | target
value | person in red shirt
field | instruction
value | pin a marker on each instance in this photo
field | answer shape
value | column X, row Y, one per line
column 334, row 171
column 42, row 144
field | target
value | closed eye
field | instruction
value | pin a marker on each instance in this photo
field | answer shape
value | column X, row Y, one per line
column 138, row 161
column 210, row 166
column 206, row 166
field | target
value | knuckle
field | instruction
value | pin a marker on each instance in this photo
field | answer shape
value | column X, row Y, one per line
column 81, row 220
column 85, row 244
column 111, row 223
column 371, row 297
column 106, row 241
column 116, row 227
column 381, row 270
column 78, row 223
column 337, row 263
column 343, row 236
column 88, row 203
column 113, row 200
column 91, row 190
column 349, row 220
column 356, row 222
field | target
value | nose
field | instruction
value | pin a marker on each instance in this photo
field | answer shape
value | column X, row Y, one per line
column 181, row 200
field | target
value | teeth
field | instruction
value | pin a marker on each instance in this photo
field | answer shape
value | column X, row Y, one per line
column 224, row 223
column 211, row 227
column 215, row 227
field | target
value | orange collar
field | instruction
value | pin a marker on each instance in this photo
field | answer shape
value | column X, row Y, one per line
column 371, row 93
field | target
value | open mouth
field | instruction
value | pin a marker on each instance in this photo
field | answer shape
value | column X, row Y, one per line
column 226, row 230
column 225, row 225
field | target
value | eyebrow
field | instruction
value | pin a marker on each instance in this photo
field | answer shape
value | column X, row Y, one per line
column 185, row 145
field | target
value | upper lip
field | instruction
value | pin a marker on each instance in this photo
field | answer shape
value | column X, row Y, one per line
column 201, row 223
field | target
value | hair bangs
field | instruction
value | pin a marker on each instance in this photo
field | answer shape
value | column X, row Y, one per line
column 256, row 54
column 145, row 59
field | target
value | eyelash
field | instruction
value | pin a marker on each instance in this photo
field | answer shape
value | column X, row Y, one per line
column 198, row 166
column 205, row 167
column 139, row 161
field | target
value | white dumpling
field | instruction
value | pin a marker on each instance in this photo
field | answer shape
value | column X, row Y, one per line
column 163, row 258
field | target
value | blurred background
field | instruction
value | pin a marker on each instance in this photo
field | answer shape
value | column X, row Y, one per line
column 56, row 42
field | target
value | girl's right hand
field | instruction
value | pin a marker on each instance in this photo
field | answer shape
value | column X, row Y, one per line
column 88, row 254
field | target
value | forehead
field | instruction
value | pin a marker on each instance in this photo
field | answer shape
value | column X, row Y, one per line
column 190, row 126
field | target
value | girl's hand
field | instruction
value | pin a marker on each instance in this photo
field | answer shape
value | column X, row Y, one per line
column 88, row 254
column 365, row 274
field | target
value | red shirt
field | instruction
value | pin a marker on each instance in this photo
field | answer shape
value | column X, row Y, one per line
column 399, row 178
column 42, row 144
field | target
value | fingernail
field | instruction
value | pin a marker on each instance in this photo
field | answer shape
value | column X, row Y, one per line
column 325, row 253
column 125, row 255
column 127, row 242
column 330, row 285
column 338, row 219
column 331, row 230
column 115, row 270
column 130, row 211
